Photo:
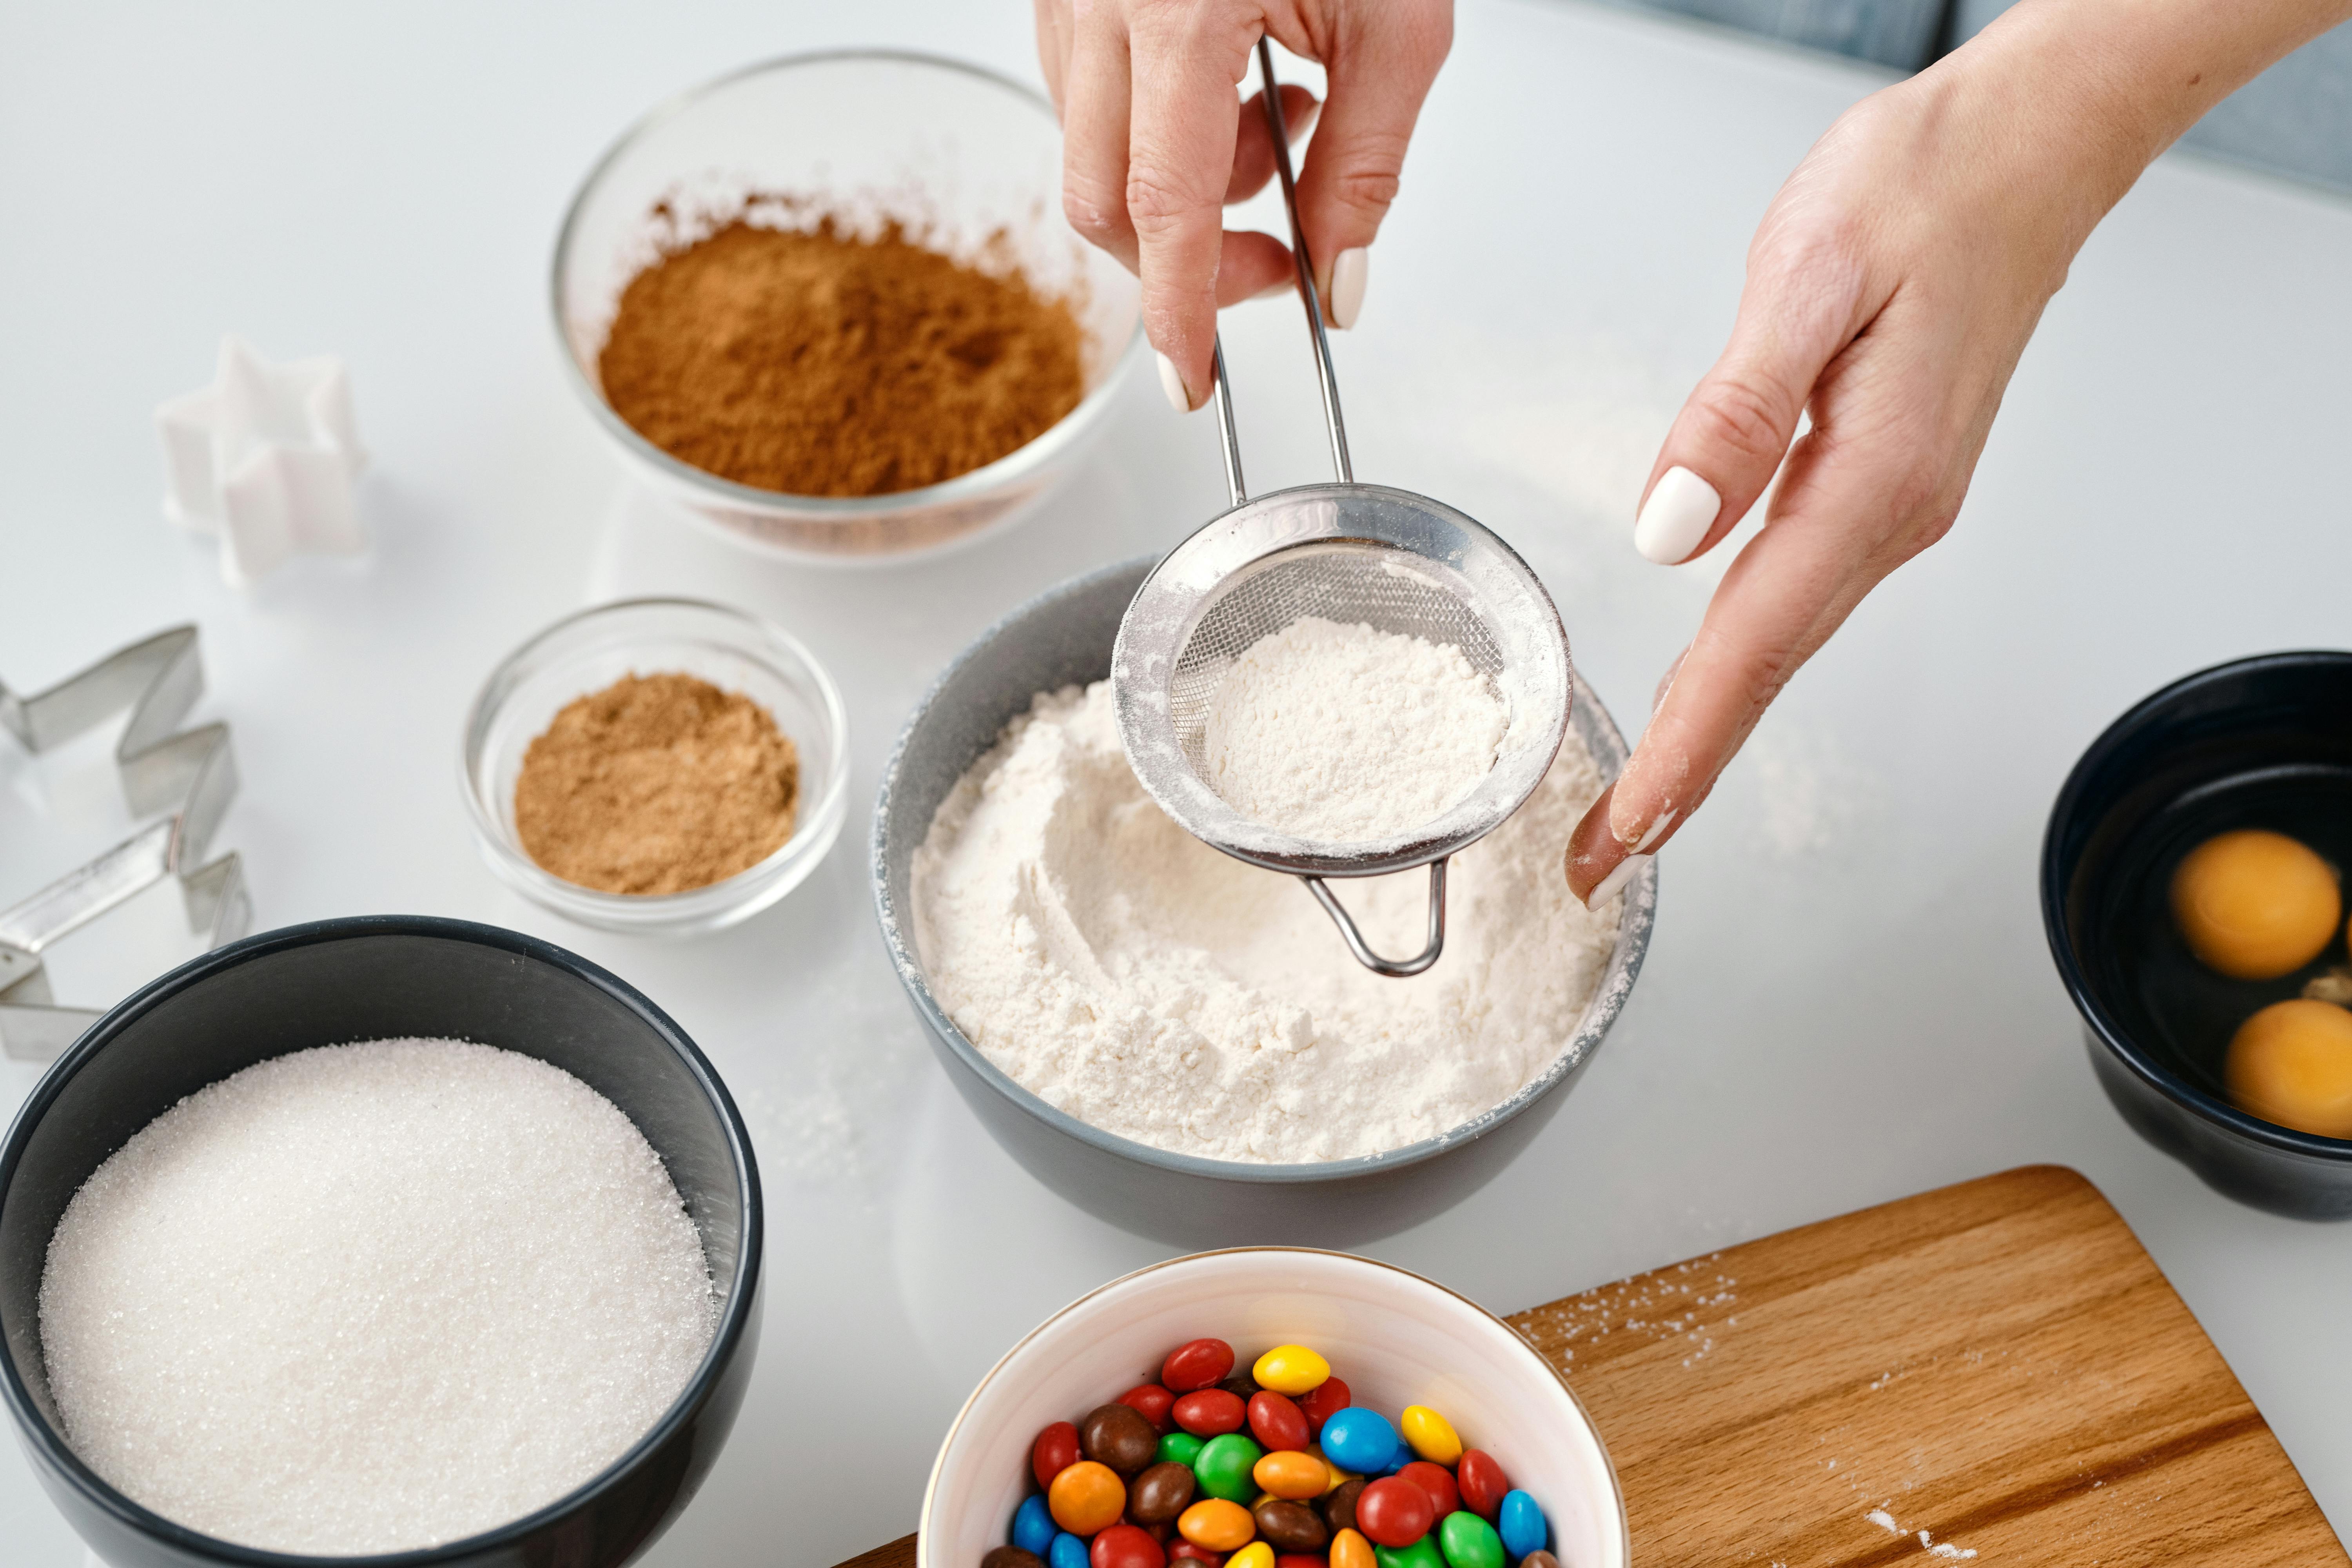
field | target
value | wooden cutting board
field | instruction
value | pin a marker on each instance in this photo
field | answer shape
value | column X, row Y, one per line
column 1994, row 1373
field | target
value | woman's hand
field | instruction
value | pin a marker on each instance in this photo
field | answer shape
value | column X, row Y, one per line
column 1891, row 288
column 1155, row 145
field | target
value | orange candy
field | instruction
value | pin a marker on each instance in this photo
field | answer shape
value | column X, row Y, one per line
column 1086, row 1498
column 1293, row 1476
column 1215, row 1525
column 1351, row 1550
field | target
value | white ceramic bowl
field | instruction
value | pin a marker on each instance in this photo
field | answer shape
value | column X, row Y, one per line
column 1396, row 1338
column 969, row 159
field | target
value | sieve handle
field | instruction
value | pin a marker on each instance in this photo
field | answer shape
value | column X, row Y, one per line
column 1372, row 961
column 1324, row 378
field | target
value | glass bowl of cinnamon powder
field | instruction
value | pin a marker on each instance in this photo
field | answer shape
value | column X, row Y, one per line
column 666, row 766
column 830, row 306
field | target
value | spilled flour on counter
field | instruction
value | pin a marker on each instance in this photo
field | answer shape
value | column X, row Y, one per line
column 1344, row 734
column 1146, row 984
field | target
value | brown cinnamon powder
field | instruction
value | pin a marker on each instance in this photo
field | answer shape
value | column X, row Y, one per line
column 656, row 784
column 822, row 364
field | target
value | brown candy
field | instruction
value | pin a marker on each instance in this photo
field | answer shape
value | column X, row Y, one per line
column 1538, row 1560
column 1340, row 1504
column 1290, row 1526
column 1241, row 1385
column 1010, row 1557
column 1118, row 1435
column 1160, row 1493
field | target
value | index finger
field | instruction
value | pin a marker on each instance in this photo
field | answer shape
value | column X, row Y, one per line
column 1180, row 160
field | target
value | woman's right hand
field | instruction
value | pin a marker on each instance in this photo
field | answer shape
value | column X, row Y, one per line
column 1155, row 145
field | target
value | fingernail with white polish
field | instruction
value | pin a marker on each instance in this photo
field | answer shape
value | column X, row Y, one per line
column 1172, row 381
column 1347, row 301
column 1681, row 509
column 1614, row 883
column 1658, row 831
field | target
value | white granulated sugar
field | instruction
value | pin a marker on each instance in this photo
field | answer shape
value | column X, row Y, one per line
column 1343, row 734
column 1143, row 982
column 371, row 1298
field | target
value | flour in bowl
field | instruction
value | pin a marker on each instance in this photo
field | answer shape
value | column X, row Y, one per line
column 1342, row 733
column 1146, row 984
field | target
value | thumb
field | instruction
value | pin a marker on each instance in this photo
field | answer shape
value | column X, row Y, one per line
column 1795, row 316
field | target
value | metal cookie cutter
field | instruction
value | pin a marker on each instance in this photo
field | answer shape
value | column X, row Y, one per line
column 190, row 774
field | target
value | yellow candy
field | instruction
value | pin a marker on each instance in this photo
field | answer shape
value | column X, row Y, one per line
column 1431, row 1434
column 1293, row 1477
column 1256, row 1555
column 1350, row 1550
column 1291, row 1369
column 1215, row 1524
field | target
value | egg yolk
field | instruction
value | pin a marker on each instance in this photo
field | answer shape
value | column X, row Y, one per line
column 2292, row 1063
column 2255, row 905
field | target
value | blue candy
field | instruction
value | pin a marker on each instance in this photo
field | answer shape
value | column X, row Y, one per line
column 1521, row 1525
column 1034, row 1527
column 1360, row 1440
column 1068, row 1552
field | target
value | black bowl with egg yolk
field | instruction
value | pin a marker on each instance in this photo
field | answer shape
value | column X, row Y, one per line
column 2258, row 742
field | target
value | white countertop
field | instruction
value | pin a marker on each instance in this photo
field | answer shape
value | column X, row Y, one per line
column 1849, row 998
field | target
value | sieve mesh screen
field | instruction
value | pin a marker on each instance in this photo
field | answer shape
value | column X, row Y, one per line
column 1350, row 581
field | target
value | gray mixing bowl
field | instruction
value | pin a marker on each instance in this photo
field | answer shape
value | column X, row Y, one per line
column 1065, row 635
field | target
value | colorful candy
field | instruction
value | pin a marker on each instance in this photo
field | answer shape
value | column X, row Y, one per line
column 1290, row 1369
column 1522, row 1526
column 1360, row 1440
column 1395, row 1513
column 1274, row 1467
column 1294, row 1475
column 1468, row 1542
column 1210, row 1412
column 1225, row 1467
column 1196, row 1365
column 1033, row 1527
column 1218, row 1524
column 1483, row 1483
column 1431, row 1434
column 1086, row 1498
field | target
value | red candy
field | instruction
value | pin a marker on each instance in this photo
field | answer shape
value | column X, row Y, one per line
column 1055, row 1450
column 1152, row 1402
column 1299, row 1559
column 1125, row 1546
column 1196, row 1365
column 1321, row 1403
column 1393, row 1512
column 1185, row 1551
column 1209, row 1412
column 1277, row 1423
column 1437, row 1481
column 1483, row 1483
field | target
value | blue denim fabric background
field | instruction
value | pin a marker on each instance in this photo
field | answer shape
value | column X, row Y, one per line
column 2296, row 118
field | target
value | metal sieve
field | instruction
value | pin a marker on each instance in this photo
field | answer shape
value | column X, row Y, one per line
column 1348, row 553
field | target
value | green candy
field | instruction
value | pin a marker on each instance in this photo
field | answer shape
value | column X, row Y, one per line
column 1223, row 1466
column 1421, row 1553
column 1180, row 1447
column 1468, row 1542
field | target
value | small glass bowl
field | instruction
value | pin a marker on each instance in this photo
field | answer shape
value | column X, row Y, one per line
column 588, row 652
column 969, row 159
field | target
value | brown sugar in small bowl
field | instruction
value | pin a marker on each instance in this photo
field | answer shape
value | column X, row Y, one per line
column 590, row 651
column 968, row 161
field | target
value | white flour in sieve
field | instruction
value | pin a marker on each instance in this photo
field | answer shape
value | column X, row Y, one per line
column 1140, row 981
column 371, row 1298
column 1342, row 734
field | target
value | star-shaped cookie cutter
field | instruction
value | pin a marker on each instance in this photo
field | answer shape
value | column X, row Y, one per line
column 190, row 774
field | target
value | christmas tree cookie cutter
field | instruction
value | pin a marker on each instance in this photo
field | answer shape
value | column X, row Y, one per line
column 190, row 775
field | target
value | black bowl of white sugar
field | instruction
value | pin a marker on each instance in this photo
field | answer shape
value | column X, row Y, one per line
column 1179, row 1041
column 390, row 1239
